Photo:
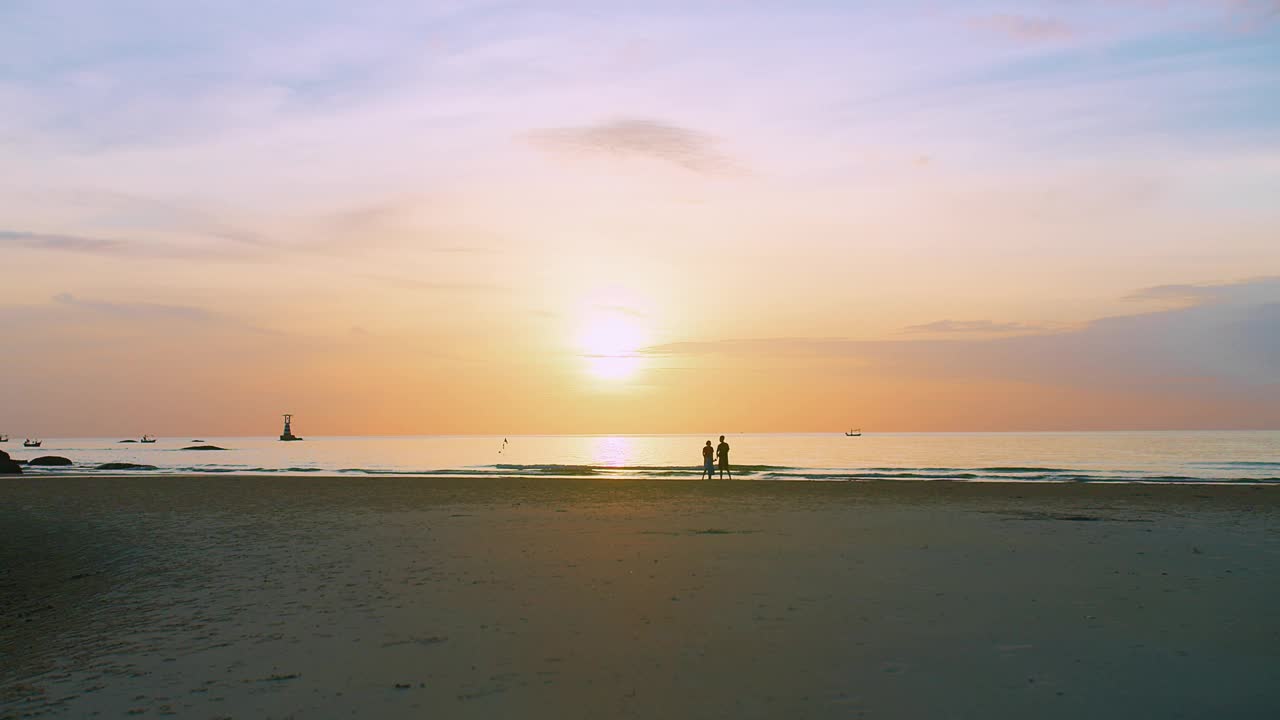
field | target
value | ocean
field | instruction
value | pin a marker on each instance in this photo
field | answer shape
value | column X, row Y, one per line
column 1155, row 457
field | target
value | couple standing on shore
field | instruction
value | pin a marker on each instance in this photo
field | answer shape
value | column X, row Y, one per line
column 722, row 452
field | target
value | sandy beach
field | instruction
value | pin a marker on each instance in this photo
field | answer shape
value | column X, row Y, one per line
column 254, row 597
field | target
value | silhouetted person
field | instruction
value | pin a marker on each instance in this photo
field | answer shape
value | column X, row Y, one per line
column 722, row 451
column 708, row 469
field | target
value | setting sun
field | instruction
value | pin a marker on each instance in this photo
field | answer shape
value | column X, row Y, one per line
column 610, row 340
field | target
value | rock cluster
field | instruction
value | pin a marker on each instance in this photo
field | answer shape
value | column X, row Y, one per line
column 7, row 466
column 50, row 460
column 125, row 466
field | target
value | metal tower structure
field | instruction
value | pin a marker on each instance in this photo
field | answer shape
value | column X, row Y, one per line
column 288, row 435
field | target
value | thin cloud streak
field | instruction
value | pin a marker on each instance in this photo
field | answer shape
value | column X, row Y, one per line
column 433, row 285
column 112, row 247
column 1024, row 28
column 639, row 138
column 1178, row 293
column 973, row 326
column 137, row 310
column 140, row 314
column 62, row 243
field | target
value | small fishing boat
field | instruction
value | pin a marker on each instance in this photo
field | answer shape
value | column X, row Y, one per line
column 854, row 433
column 4, row 438
column 147, row 439
column 31, row 443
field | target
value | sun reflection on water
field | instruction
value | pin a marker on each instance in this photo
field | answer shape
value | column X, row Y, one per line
column 612, row 452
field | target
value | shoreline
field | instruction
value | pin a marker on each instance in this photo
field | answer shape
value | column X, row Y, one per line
column 617, row 478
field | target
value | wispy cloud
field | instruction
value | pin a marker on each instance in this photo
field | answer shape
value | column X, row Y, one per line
column 1174, row 293
column 416, row 222
column 114, row 247
column 145, row 316
column 65, row 243
column 973, row 326
column 137, row 310
column 638, row 138
column 1258, row 291
column 1252, row 15
column 148, row 214
column 406, row 283
column 619, row 309
column 1025, row 28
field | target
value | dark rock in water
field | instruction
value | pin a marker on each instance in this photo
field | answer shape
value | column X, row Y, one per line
column 199, row 441
column 7, row 466
column 125, row 466
column 203, row 447
column 50, row 460
column 133, row 441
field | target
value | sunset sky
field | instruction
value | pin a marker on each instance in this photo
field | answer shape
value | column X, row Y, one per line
column 595, row 217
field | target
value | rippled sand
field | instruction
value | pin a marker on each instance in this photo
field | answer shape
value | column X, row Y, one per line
column 313, row 597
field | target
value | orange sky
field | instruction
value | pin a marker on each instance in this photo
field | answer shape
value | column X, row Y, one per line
column 460, row 221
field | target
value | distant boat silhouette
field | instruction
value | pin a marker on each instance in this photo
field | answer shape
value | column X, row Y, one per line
column 854, row 433
column 147, row 439
column 4, row 438
column 31, row 443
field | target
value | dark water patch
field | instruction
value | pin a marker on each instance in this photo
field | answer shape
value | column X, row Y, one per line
column 1238, row 464
column 856, row 476
column 1060, row 517
column 425, row 642
column 459, row 472
column 1015, row 469
column 1138, row 477
column 549, row 469
column 125, row 466
column 695, row 468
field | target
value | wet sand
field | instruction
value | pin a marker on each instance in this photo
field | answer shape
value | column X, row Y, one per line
column 340, row 597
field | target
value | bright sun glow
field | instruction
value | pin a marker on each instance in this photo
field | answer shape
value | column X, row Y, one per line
column 610, row 341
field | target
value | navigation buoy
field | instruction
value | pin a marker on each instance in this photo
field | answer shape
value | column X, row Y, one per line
column 288, row 435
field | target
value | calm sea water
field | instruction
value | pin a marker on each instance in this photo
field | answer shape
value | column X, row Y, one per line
column 1238, row 456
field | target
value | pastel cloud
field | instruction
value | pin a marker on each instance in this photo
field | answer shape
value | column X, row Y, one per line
column 1177, row 293
column 66, row 243
column 1026, row 28
column 141, row 311
column 638, row 138
column 177, row 249
column 972, row 326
